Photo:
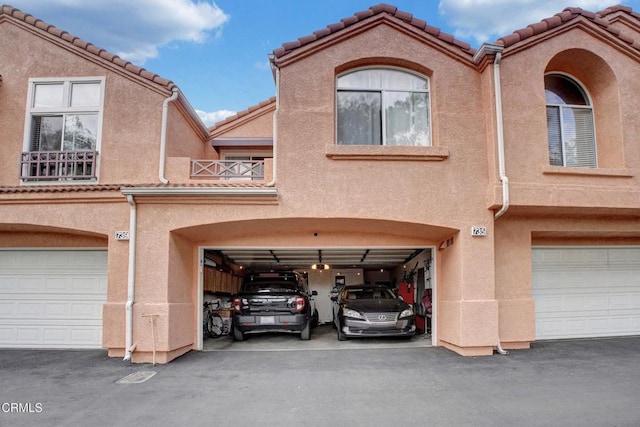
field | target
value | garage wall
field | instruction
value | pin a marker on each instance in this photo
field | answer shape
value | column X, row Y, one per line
column 323, row 281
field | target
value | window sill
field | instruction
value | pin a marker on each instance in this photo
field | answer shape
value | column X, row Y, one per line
column 383, row 152
column 604, row 172
column 49, row 182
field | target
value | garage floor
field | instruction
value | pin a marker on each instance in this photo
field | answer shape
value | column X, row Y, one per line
column 322, row 338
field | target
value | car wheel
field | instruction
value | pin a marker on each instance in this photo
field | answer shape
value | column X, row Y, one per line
column 306, row 332
column 315, row 319
column 237, row 334
column 214, row 325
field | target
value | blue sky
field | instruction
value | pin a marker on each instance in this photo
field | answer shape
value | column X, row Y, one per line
column 217, row 52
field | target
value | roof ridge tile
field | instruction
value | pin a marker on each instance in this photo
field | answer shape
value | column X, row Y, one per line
column 569, row 14
column 618, row 8
column 406, row 17
column 418, row 23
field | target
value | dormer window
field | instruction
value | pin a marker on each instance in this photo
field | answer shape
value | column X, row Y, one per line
column 383, row 106
column 570, row 123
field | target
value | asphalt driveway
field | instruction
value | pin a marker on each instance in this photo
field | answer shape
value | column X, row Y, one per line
column 564, row 383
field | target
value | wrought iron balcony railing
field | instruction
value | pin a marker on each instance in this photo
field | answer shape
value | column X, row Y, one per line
column 228, row 169
column 58, row 165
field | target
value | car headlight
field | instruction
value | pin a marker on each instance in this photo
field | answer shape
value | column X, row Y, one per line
column 406, row 313
column 347, row 312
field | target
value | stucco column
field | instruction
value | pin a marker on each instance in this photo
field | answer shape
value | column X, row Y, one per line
column 163, row 310
column 467, row 310
column 513, row 283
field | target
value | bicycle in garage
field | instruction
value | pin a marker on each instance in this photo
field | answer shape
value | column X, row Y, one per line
column 213, row 324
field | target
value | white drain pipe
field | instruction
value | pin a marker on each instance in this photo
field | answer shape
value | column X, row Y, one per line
column 497, row 51
column 500, row 135
column 131, row 277
column 163, row 136
column 501, row 162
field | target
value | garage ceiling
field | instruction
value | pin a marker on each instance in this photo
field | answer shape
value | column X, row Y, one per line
column 305, row 258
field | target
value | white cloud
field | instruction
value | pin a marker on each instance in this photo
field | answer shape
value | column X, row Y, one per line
column 133, row 30
column 214, row 117
column 487, row 20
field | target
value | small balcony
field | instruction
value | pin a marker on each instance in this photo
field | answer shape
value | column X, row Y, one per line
column 58, row 165
column 228, row 169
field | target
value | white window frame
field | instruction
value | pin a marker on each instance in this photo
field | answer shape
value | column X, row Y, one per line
column 67, row 82
column 561, row 108
column 382, row 100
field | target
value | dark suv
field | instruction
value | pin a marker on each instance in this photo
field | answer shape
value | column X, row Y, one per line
column 274, row 301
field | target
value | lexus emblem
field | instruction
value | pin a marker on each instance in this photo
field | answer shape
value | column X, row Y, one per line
column 382, row 317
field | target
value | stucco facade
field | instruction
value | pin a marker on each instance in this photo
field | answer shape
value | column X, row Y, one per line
column 316, row 193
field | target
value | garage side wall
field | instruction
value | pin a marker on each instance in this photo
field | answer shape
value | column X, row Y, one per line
column 513, row 284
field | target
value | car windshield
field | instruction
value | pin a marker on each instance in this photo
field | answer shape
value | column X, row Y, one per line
column 368, row 293
column 270, row 286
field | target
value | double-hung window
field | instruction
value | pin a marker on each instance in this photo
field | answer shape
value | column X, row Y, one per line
column 63, row 129
column 383, row 106
column 570, row 123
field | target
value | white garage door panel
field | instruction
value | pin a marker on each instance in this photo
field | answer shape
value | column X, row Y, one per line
column 586, row 292
column 52, row 299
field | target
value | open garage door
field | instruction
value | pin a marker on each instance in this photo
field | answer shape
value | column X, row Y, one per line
column 586, row 291
column 52, row 298
column 325, row 267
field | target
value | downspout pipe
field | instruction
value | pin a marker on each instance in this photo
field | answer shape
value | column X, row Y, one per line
column 131, row 274
column 500, row 136
column 276, row 78
column 163, row 135
column 501, row 162
column 497, row 51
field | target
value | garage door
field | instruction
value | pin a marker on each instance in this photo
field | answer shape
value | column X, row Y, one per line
column 586, row 292
column 52, row 299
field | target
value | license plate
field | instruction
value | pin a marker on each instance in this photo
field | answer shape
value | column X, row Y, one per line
column 267, row 320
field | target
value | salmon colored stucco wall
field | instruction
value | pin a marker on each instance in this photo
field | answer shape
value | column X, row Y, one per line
column 183, row 138
column 258, row 124
column 33, row 238
column 609, row 77
column 132, row 110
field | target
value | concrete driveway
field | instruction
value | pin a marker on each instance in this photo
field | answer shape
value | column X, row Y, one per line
column 563, row 383
column 324, row 337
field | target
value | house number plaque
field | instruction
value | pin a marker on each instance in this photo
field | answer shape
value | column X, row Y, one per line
column 122, row 235
column 478, row 231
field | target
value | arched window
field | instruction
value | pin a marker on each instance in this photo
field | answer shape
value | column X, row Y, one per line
column 383, row 106
column 570, row 123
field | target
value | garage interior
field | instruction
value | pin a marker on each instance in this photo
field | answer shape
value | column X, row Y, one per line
column 406, row 270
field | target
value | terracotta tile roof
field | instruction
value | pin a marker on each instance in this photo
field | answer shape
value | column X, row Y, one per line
column 89, row 47
column 244, row 113
column 60, row 188
column 219, row 184
column 567, row 15
column 287, row 48
column 618, row 8
column 118, row 187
